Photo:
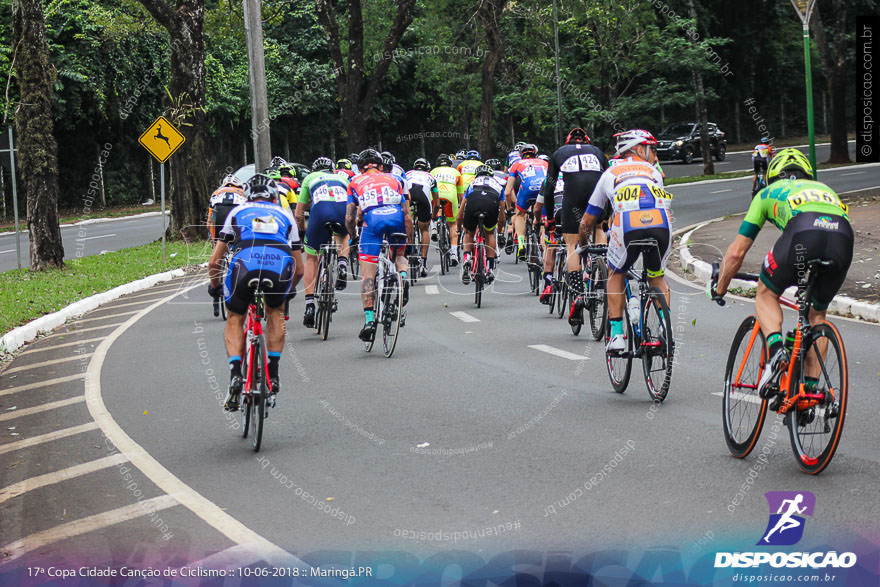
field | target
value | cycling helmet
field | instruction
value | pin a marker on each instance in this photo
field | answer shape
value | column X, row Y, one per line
column 544, row 157
column 528, row 150
column 369, row 157
column 287, row 170
column 322, row 164
column 388, row 155
column 444, row 160
column 577, row 135
column 353, row 157
column 277, row 161
column 628, row 140
column 232, row 181
column 484, row 170
column 789, row 164
column 495, row 164
column 343, row 164
column 472, row 154
column 421, row 163
column 387, row 161
column 461, row 155
column 766, row 140
column 272, row 172
column 261, row 187
column 518, row 146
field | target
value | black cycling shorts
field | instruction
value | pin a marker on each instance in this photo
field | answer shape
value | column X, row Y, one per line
column 808, row 236
column 573, row 207
column 420, row 203
column 218, row 218
column 238, row 295
column 477, row 203
column 653, row 257
column 760, row 165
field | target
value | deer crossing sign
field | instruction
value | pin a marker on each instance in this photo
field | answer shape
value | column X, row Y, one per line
column 161, row 139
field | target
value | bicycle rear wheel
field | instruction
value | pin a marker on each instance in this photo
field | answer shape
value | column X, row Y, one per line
column 743, row 411
column 533, row 258
column 443, row 245
column 354, row 262
column 260, row 392
column 619, row 364
column 658, row 346
column 391, row 312
column 815, row 423
column 244, row 408
column 479, row 273
column 597, row 299
column 560, row 281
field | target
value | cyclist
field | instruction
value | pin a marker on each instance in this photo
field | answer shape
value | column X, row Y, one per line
column 641, row 210
column 552, row 233
column 468, row 167
column 389, row 165
column 229, row 195
column 286, row 193
column 581, row 165
column 343, row 167
column 422, row 189
column 484, row 194
column 530, row 172
column 814, row 224
column 514, row 155
column 265, row 243
column 324, row 194
column 382, row 201
column 447, row 189
column 353, row 157
column 460, row 156
column 761, row 156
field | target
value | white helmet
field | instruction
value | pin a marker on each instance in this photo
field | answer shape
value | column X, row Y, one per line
column 233, row 181
column 631, row 138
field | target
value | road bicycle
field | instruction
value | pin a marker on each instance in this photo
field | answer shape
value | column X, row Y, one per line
column 443, row 242
column 647, row 330
column 559, row 282
column 480, row 264
column 533, row 255
column 388, row 308
column 759, row 183
column 219, row 305
column 354, row 261
column 325, row 292
column 814, row 414
column 256, row 394
column 595, row 277
column 415, row 254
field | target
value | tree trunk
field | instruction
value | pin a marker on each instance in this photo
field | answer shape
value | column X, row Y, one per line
column 185, row 24
column 34, row 125
column 702, row 111
column 833, row 57
column 489, row 12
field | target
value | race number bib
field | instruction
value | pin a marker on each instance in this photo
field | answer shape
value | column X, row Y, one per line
column 329, row 193
column 264, row 225
column 377, row 197
column 584, row 162
column 797, row 200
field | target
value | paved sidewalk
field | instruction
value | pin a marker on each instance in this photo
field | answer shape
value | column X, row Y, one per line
column 863, row 279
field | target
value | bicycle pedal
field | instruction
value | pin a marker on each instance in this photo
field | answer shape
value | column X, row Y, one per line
column 775, row 403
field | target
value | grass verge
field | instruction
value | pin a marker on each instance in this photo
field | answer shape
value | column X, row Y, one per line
column 26, row 295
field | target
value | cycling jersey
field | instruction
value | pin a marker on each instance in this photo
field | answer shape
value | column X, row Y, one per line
column 641, row 208
column 531, row 173
column 346, row 173
column 328, row 195
column 467, row 169
column 580, row 165
column 421, row 187
column 447, row 189
column 397, row 171
column 761, row 156
column 782, row 200
column 222, row 201
column 558, row 194
column 486, row 185
column 380, row 197
column 484, row 194
column 513, row 157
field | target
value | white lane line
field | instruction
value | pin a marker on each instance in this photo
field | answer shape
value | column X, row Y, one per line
column 432, row 290
column 80, row 321
column 44, row 438
column 41, row 408
column 464, row 317
column 434, row 268
column 112, row 306
column 7, row 251
column 62, row 345
column 853, row 173
column 16, row 489
column 721, row 191
column 78, row 330
column 745, row 397
column 544, row 348
column 88, row 238
column 197, row 503
column 39, row 384
column 46, row 363
column 20, row 547
column 149, row 293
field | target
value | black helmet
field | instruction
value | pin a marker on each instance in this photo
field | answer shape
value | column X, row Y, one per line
column 578, row 135
column 484, row 170
column 322, row 164
column 388, row 154
column 421, row 163
column 444, row 160
column 495, row 164
column 387, row 160
column 277, row 161
column 369, row 157
column 261, row 187
column 353, row 157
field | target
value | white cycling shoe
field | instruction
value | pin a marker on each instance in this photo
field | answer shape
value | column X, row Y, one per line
column 617, row 343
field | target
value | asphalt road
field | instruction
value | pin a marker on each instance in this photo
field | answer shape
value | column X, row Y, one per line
column 737, row 162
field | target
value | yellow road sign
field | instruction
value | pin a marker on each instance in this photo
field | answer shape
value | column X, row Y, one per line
column 161, row 139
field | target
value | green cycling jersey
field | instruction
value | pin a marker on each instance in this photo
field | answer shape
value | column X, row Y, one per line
column 784, row 199
column 320, row 186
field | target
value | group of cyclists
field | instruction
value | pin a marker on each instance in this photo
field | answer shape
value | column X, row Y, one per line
column 576, row 195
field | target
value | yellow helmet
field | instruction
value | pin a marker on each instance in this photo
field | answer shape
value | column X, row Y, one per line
column 789, row 164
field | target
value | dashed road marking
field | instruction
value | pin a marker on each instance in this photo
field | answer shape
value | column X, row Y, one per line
column 96, row 318
column 49, row 437
column 745, row 397
column 544, row 348
column 46, row 363
column 721, row 191
column 39, row 384
column 28, row 350
column 464, row 317
column 32, row 483
column 89, row 238
column 41, row 408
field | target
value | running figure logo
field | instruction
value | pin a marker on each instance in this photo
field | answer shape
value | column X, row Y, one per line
column 786, row 524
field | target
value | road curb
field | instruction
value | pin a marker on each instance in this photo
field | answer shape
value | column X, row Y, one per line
column 702, row 270
column 17, row 337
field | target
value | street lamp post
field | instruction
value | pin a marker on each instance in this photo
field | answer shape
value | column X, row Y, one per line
column 804, row 10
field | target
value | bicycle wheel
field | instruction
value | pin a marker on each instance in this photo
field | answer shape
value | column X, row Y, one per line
column 260, row 393
column 326, row 305
column 479, row 273
column 575, row 328
column 560, row 281
column 742, row 409
column 377, row 307
column 534, row 264
column 354, row 262
column 597, row 299
column 391, row 312
column 815, row 423
column 658, row 345
column 619, row 364
column 443, row 245
column 244, row 408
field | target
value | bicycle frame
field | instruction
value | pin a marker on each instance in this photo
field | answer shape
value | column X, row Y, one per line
column 253, row 330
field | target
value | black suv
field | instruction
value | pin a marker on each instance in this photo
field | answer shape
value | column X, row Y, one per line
column 682, row 141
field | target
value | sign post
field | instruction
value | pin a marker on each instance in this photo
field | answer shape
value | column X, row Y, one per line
column 161, row 140
column 11, row 151
column 804, row 10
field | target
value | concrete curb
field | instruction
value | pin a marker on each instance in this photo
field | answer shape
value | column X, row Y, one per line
column 842, row 305
column 97, row 221
column 17, row 337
